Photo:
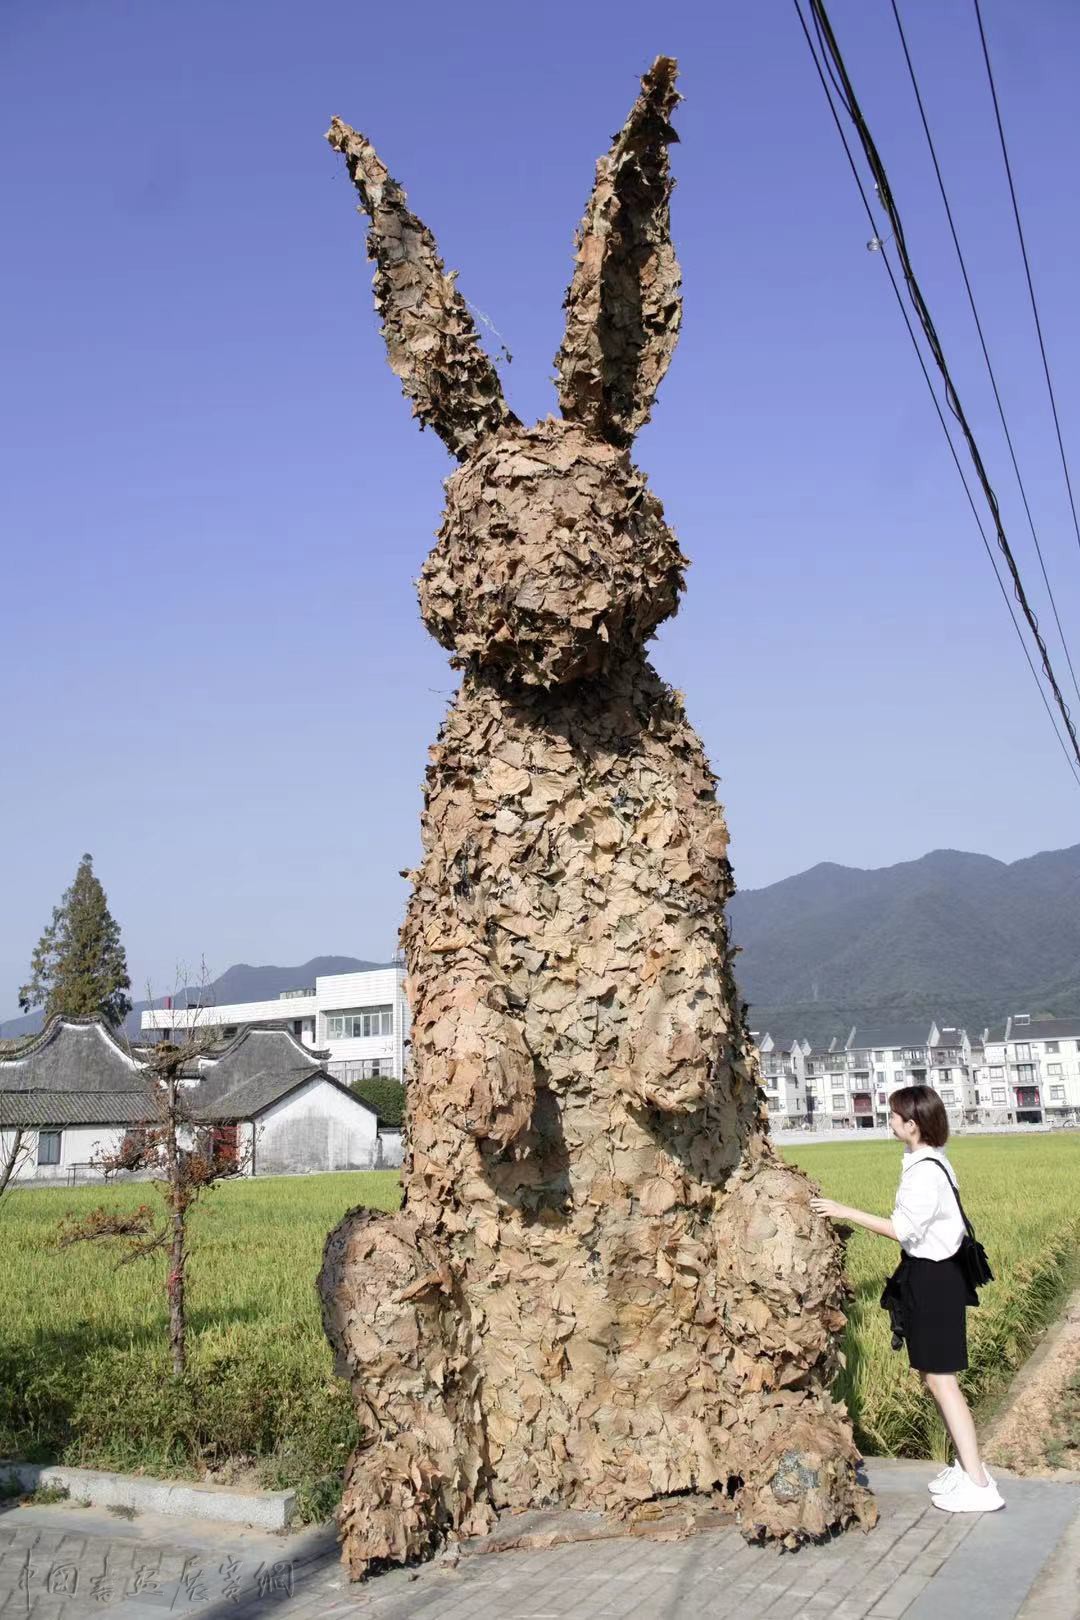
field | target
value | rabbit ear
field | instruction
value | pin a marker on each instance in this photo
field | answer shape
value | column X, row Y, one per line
column 430, row 337
column 623, row 306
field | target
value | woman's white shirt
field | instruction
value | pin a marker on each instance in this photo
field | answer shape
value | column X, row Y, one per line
column 926, row 1217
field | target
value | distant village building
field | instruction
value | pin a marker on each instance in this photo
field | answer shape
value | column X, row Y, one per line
column 360, row 1020
column 76, row 1093
column 1027, row 1072
column 1031, row 1068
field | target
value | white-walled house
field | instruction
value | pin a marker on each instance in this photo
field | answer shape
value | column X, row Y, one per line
column 73, row 1091
column 76, row 1092
column 358, row 1021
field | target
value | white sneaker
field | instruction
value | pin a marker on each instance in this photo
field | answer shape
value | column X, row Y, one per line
column 945, row 1481
column 966, row 1497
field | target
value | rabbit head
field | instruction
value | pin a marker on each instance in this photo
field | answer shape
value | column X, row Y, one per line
column 553, row 559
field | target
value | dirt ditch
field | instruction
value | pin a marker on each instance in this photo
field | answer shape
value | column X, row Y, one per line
column 1036, row 1428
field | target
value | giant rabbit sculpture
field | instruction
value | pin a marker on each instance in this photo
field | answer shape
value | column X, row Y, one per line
column 603, row 1285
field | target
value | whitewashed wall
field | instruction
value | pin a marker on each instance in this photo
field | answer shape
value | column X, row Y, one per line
column 316, row 1127
column 78, row 1144
column 389, row 1150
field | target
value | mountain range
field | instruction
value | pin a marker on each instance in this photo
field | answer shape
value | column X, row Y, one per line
column 962, row 938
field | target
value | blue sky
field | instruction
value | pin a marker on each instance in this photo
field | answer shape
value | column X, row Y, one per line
column 214, row 502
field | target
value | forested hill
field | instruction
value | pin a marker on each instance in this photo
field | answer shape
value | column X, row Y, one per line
column 958, row 937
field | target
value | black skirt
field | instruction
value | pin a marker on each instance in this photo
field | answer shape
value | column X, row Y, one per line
column 935, row 1299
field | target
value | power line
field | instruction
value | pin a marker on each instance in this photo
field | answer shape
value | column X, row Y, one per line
column 1027, row 268
column 982, row 341
column 846, row 94
column 936, row 403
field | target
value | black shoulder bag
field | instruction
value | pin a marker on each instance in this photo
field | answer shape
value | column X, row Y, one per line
column 973, row 1263
column 971, row 1254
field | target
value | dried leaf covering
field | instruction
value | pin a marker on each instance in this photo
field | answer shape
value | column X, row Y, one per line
column 554, row 560
column 604, row 1284
column 623, row 306
column 429, row 333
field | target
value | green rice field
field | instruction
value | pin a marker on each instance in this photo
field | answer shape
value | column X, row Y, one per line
column 84, row 1365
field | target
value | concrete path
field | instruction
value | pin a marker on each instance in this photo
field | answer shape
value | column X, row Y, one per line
column 1021, row 1563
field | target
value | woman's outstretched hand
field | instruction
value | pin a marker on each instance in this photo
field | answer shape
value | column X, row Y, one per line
column 827, row 1206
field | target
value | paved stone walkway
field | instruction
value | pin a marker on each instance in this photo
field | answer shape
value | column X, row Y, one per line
column 1021, row 1563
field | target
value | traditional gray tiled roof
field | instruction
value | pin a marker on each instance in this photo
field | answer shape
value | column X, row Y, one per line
column 47, row 1108
column 255, row 1053
column 70, row 1054
column 76, row 1073
column 259, row 1066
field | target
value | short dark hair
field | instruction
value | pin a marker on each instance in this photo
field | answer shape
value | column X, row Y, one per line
column 925, row 1107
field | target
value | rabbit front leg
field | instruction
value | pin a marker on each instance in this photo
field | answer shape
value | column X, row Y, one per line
column 673, row 1040
column 393, row 1318
column 479, row 1074
column 781, row 1292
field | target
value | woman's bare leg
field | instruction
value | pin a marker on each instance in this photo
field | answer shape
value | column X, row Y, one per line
column 956, row 1413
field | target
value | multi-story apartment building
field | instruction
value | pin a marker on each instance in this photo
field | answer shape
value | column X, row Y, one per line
column 361, row 1019
column 1031, row 1069
column 783, row 1070
column 827, row 1083
column 848, row 1080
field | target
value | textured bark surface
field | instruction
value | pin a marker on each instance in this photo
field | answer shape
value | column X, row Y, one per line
column 604, row 1284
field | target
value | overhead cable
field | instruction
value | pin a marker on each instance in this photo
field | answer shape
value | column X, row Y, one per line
column 982, row 341
column 845, row 93
column 1027, row 269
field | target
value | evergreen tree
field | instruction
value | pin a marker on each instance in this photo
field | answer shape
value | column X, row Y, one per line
column 79, row 967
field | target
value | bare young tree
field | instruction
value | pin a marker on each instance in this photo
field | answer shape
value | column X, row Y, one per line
column 183, row 1149
column 16, row 1147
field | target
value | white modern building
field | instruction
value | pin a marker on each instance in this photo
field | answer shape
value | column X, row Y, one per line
column 360, row 1021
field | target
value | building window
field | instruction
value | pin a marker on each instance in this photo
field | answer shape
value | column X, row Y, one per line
column 838, row 1102
column 359, row 1022
column 1053, row 1068
column 944, row 1075
column 948, row 1096
column 881, row 1096
column 1022, row 1051
column 879, row 1057
column 997, row 1071
column 879, row 1076
column 48, row 1147
column 997, row 1094
column 1057, row 1093
column 1025, row 1073
column 1052, row 1046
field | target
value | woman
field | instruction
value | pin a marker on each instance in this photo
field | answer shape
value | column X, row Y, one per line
column 927, row 1224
